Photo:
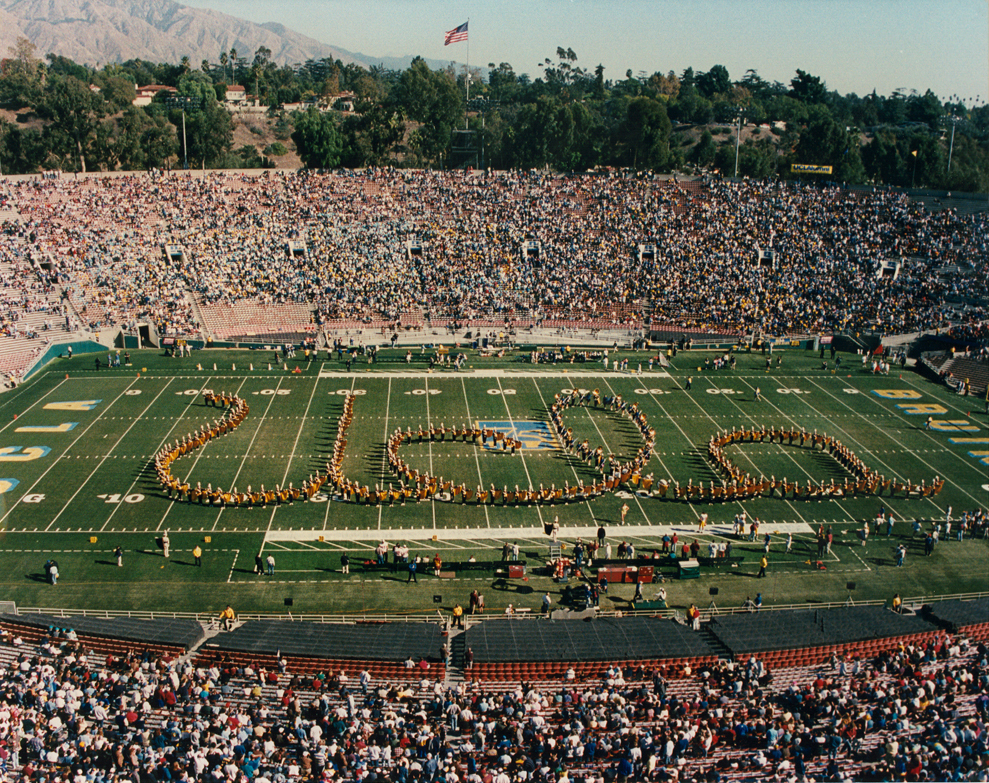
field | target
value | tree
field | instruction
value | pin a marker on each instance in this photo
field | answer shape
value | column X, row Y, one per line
column 645, row 134
column 20, row 76
column 714, row 82
column 317, row 139
column 432, row 99
column 703, row 153
column 808, row 89
column 74, row 111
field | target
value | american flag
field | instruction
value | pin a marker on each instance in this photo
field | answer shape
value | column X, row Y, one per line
column 456, row 35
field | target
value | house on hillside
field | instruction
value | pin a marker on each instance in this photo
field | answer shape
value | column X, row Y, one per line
column 236, row 95
column 147, row 93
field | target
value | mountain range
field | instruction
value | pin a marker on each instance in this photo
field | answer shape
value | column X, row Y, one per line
column 97, row 32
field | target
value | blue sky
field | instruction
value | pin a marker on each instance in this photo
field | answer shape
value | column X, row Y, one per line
column 854, row 45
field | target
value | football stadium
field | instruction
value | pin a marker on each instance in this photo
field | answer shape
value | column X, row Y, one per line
column 407, row 475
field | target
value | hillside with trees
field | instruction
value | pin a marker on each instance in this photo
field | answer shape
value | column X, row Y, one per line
column 57, row 114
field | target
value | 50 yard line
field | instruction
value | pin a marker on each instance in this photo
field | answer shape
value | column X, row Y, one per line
column 508, row 410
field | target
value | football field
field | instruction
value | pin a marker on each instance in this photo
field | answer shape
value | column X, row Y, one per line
column 77, row 449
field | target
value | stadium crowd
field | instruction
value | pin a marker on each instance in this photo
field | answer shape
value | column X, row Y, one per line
column 915, row 712
column 531, row 246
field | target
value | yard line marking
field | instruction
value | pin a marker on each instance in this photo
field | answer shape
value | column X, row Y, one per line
column 477, row 458
column 67, row 449
column 978, row 501
column 163, row 441
column 384, row 456
column 329, row 503
column 234, row 563
column 429, row 425
column 288, row 462
column 100, row 463
column 200, row 453
column 521, row 451
column 569, row 461
column 247, row 451
column 685, row 437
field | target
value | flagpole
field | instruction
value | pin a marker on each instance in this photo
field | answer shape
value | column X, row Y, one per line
column 467, row 79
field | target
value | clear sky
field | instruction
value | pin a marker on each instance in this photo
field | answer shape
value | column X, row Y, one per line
column 853, row 45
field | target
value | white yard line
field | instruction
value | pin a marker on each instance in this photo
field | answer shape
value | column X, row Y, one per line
column 568, row 457
column 539, row 511
column 384, row 456
column 247, row 451
column 288, row 464
column 477, row 457
column 192, row 468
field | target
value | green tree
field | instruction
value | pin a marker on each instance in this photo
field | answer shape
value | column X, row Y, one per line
column 209, row 133
column 808, row 89
column 21, row 76
column 317, row 139
column 703, row 153
column 645, row 134
column 74, row 112
column 430, row 98
column 714, row 82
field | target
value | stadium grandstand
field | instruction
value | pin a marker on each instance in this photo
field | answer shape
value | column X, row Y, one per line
column 281, row 257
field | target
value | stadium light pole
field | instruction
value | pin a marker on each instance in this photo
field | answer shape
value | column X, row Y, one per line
column 953, row 119
column 184, row 102
column 738, row 138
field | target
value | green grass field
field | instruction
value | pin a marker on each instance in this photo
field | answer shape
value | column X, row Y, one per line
column 76, row 448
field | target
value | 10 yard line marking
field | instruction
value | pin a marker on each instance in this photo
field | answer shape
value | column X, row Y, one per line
column 99, row 465
column 162, row 443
